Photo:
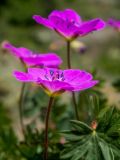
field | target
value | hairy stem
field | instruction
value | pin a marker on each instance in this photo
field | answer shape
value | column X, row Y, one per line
column 69, row 67
column 46, row 127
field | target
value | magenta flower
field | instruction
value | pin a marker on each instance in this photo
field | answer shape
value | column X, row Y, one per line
column 114, row 23
column 69, row 24
column 56, row 81
column 33, row 59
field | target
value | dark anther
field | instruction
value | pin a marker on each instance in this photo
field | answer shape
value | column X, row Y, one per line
column 46, row 77
column 57, row 74
column 62, row 76
column 51, row 72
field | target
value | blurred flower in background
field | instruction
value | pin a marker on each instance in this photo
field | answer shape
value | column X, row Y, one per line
column 77, row 45
column 31, row 58
column 114, row 23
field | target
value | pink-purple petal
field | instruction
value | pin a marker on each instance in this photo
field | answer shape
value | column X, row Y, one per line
column 75, row 76
column 100, row 25
column 45, row 22
column 85, row 85
column 13, row 50
column 24, row 52
column 90, row 26
column 56, row 86
column 18, row 52
column 65, row 28
column 43, row 60
column 37, row 73
column 23, row 77
column 72, row 16
column 114, row 23
column 67, row 15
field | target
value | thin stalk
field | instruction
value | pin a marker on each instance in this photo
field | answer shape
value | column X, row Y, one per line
column 20, row 105
column 69, row 67
column 21, row 109
column 75, row 105
column 68, row 55
column 46, row 127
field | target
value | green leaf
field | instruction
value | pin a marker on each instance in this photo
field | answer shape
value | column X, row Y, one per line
column 72, row 137
column 74, row 150
column 106, row 112
column 78, row 155
column 81, row 126
column 106, row 151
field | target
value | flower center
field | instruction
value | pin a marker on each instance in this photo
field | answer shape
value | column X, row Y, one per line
column 54, row 75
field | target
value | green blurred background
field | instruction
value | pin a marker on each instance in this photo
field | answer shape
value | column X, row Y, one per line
column 17, row 26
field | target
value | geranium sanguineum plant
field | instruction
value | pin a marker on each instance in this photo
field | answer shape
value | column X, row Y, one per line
column 69, row 25
column 30, row 58
column 55, row 82
column 114, row 23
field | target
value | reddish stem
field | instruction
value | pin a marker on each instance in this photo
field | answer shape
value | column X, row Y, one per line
column 46, row 127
